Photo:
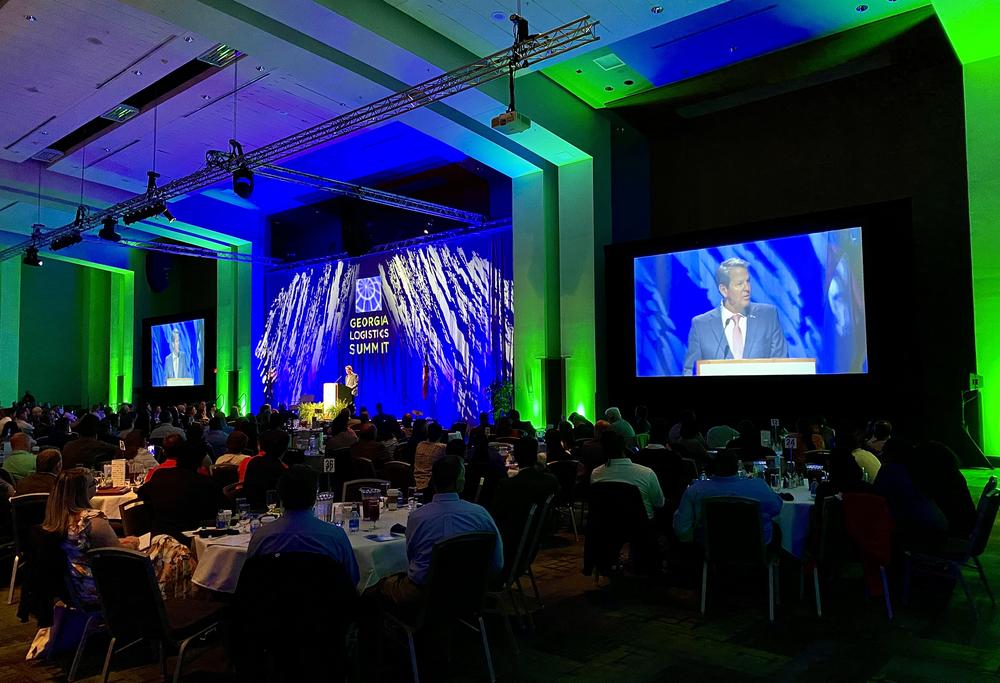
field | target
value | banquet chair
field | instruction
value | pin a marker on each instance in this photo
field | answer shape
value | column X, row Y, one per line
column 26, row 511
column 616, row 516
column 399, row 474
column 734, row 537
column 311, row 600
column 223, row 475
column 566, row 472
column 512, row 571
column 455, row 590
column 481, row 482
column 691, row 468
column 869, row 526
column 351, row 492
column 957, row 554
column 135, row 610
column 362, row 468
column 135, row 517
column 541, row 523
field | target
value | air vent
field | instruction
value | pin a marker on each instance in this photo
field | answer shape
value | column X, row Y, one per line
column 221, row 55
column 47, row 155
column 609, row 61
column 120, row 113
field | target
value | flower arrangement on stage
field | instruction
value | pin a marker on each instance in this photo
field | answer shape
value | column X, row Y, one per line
column 501, row 394
column 310, row 411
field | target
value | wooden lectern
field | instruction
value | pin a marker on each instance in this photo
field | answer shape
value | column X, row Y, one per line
column 334, row 393
column 756, row 366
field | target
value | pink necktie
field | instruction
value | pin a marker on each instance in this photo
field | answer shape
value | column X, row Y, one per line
column 737, row 336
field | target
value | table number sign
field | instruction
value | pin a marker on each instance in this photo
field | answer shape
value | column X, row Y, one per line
column 329, row 466
column 118, row 472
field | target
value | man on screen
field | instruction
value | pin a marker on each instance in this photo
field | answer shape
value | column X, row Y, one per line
column 737, row 329
column 175, row 365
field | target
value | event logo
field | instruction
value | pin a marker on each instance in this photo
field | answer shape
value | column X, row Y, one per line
column 368, row 295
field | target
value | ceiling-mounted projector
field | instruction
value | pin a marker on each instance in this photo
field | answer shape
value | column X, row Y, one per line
column 511, row 122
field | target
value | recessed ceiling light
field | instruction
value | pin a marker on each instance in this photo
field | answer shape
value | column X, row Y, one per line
column 630, row 82
column 608, row 88
column 30, row 17
column 260, row 67
column 107, row 149
column 137, row 72
column 44, row 132
column 188, row 39
column 656, row 9
column 862, row 8
column 206, row 97
column 498, row 16
column 426, row 231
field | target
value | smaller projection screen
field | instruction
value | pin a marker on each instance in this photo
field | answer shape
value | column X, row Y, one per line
column 177, row 353
column 786, row 306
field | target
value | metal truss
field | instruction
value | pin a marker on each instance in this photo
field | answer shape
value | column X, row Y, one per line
column 219, row 166
column 197, row 252
column 369, row 194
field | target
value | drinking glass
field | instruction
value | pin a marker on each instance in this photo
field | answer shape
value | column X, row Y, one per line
column 371, row 499
column 775, row 482
column 272, row 501
column 222, row 519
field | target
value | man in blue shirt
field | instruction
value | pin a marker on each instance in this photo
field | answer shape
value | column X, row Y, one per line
column 297, row 530
column 444, row 517
column 688, row 519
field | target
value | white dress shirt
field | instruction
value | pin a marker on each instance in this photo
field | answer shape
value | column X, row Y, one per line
column 729, row 328
column 177, row 360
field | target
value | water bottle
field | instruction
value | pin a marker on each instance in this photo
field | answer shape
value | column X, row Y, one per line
column 399, row 499
column 354, row 525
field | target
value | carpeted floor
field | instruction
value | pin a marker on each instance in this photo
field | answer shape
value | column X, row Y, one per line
column 642, row 630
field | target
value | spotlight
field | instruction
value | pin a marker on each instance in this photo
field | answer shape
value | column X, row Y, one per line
column 108, row 232
column 66, row 241
column 243, row 182
column 169, row 216
column 31, row 257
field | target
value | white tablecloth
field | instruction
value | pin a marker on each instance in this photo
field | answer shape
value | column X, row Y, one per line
column 109, row 504
column 794, row 520
column 221, row 559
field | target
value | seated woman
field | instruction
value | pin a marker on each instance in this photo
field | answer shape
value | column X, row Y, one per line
column 920, row 523
column 935, row 469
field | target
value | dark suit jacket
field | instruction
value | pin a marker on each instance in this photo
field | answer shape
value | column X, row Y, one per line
column 36, row 482
column 179, row 499
column 707, row 340
column 83, row 452
column 374, row 451
column 262, row 476
column 512, row 500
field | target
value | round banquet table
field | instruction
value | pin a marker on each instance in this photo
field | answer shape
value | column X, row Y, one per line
column 109, row 505
column 794, row 520
column 221, row 559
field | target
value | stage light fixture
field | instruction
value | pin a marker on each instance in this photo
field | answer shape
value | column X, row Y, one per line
column 31, row 257
column 243, row 182
column 169, row 216
column 108, row 232
column 66, row 241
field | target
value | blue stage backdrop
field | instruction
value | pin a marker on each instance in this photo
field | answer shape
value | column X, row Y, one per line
column 816, row 282
column 189, row 363
column 427, row 328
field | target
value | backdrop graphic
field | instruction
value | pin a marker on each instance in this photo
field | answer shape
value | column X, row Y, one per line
column 427, row 328
column 815, row 280
column 190, row 362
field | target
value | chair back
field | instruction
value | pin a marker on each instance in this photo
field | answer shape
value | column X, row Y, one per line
column 351, row 492
column 6, row 476
column 231, row 491
column 733, row 532
column 135, row 517
column 541, row 523
column 986, row 517
column 566, row 472
column 458, row 576
column 224, row 475
column 869, row 525
column 641, row 440
column 399, row 474
column 475, row 492
column 517, row 565
column 615, row 516
column 26, row 511
column 833, row 540
column 690, row 468
column 362, row 468
column 130, row 597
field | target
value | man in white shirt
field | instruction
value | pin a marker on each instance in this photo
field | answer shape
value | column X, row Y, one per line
column 620, row 468
column 175, row 365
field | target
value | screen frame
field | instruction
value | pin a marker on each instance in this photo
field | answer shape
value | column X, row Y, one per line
column 170, row 395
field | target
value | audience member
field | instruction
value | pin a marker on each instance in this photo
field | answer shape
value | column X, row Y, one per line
column 515, row 495
column 418, row 432
column 216, row 436
column 180, row 498
column 482, row 429
column 60, row 433
column 919, row 521
column 881, row 432
column 136, row 451
column 263, row 472
column 369, row 447
column 298, row 530
column 341, row 435
column 640, row 420
column 234, row 455
column 427, row 453
column 935, row 470
column 582, row 427
column 88, row 449
column 846, row 476
column 444, row 517
column 522, row 426
column 620, row 426
column 20, row 462
column 165, row 427
column 48, row 465
column 719, row 436
column 688, row 520
column 554, row 448
column 620, row 468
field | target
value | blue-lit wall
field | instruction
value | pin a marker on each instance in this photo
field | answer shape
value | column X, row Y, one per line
column 816, row 282
column 427, row 328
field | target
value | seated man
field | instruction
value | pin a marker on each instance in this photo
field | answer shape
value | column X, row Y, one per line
column 298, row 530
column 48, row 465
column 621, row 469
column 515, row 496
column 368, row 447
column 428, row 452
column 136, row 451
column 444, row 517
column 87, row 449
column 179, row 498
column 234, row 455
column 165, row 427
column 263, row 471
column 688, row 519
column 21, row 461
